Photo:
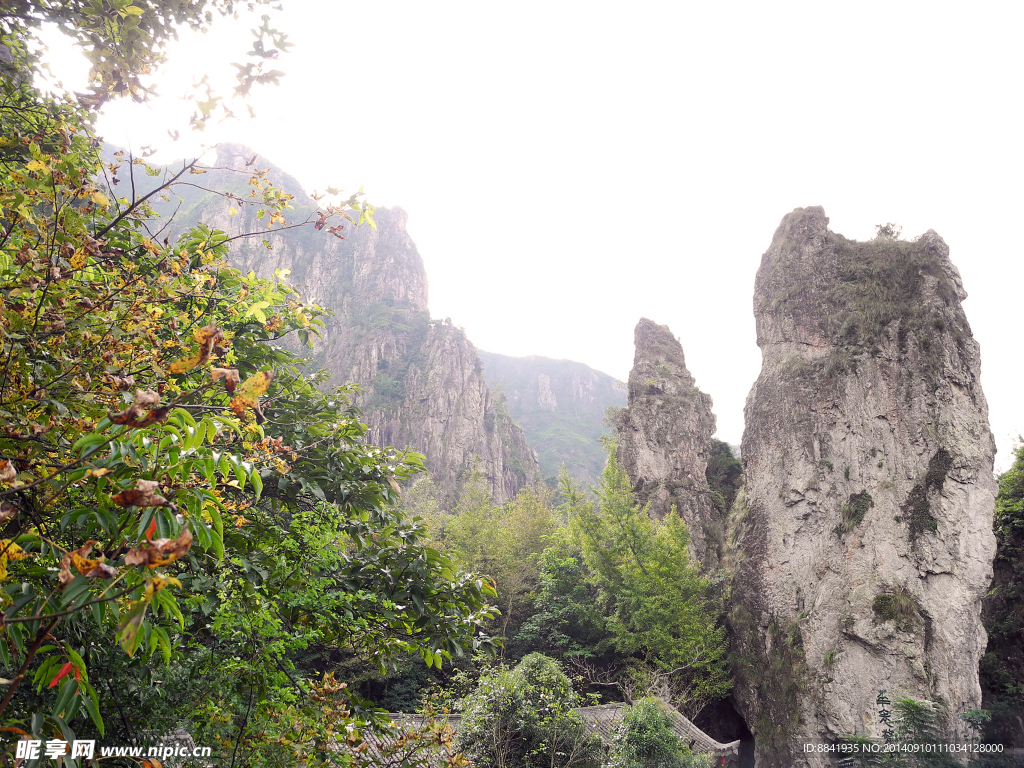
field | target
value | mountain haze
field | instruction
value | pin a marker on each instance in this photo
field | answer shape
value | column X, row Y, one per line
column 561, row 406
column 421, row 378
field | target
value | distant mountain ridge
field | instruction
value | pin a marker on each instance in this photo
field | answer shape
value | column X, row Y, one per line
column 421, row 378
column 561, row 406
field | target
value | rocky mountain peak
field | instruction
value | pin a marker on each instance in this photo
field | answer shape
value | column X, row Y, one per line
column 664, row 438
column 864, row 541
column 422, row 379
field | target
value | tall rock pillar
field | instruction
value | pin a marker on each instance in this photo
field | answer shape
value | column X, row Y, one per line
column 864, row 545
column 664, row 437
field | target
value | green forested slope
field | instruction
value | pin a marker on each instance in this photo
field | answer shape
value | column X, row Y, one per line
column 560, row 404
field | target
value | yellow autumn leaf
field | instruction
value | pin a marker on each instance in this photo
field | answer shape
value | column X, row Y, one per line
column 35, row 165
column 99, row 198
column 232, row 211
column 9, row 551
column 249, row 393
column 207, row 337
column 78, row 260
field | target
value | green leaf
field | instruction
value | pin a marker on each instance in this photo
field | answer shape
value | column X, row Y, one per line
column 211, row 430
column 46, row 672
column 130, row 626
column 92, row 705
column 98, row 612
column 161, row 639
column 183, row 417
column 91, row 439
column 77, row 661
column 67, row 692
column 218, row 526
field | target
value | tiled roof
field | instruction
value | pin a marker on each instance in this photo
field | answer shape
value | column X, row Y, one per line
column 600, row 720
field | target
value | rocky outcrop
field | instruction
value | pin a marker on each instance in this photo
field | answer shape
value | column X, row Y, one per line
column 863, row 542
column 664, row 439
column 561, row 406
column 449, row 414
column 422, row 379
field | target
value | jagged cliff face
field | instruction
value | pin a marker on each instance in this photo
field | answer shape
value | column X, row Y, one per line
column 664, row 438
column 561, row 407
column 864, row 544
column 449, row 414
column 422, row 378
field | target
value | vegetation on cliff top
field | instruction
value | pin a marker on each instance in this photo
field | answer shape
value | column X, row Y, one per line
column 869, row 297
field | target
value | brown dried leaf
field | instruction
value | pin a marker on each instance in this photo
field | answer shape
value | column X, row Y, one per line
column 142, row 495
column 249, row 394
column 7, row 471
column 93, row 246
column 153, row 554
column 7, row 511
column 88, row 568
column 207, row 337
column 100, row 570
column 136, row 417
column 230, row 376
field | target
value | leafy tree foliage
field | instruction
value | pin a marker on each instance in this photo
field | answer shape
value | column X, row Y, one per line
column 724, row 474
column 888, row 231
column 1002, row 668
column 645, row 739
column 184, row 513
column 126, row 40
column 566, row 623
column 524, row 717
column 654, row 600
column 502, row 540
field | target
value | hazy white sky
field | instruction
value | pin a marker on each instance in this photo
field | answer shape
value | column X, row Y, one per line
column 569, row 167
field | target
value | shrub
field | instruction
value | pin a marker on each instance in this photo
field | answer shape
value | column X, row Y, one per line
column 644, row 738
column 917, row 508
column 854, row 509
column 917, row 728
column 897, row 606
column 724, row 474
column 525, row 717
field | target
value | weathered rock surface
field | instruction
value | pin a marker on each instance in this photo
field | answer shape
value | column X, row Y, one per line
column 664, row 438
column 864, row 543
column 422, row 377
column 561, row 407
